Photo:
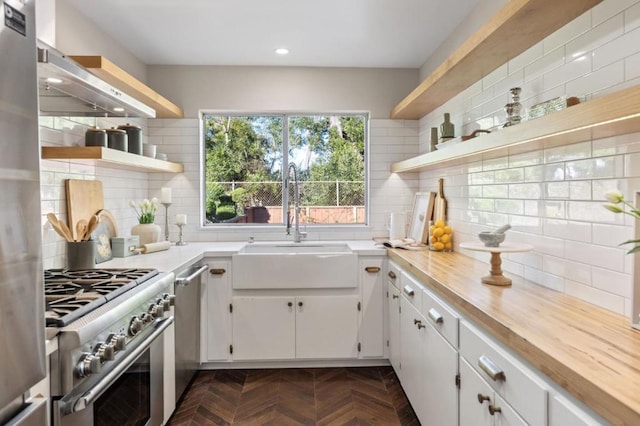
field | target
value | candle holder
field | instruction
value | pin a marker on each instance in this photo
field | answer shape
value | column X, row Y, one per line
column 166, row 220
column 180, row 242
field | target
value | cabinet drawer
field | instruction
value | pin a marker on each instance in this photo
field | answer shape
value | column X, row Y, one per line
column 411, row 289
column 393, row 275
column 512, row 380
column 441, row 317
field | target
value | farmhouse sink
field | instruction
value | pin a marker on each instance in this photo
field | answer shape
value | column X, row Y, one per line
column 294, row 266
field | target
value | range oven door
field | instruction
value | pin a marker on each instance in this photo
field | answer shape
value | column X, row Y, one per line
column 129, row 392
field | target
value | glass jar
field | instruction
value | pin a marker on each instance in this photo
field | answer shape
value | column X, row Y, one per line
column 440, row 236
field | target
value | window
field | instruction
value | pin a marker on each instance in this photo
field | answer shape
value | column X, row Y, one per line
column 244, row 160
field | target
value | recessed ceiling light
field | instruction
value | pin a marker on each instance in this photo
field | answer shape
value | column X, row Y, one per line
column 282, row 51
column 118, row 109
column 54, row 80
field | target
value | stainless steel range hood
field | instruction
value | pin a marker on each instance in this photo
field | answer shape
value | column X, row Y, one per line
column 68, row 89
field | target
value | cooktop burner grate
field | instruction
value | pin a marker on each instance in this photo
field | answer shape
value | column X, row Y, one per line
column 72, row 294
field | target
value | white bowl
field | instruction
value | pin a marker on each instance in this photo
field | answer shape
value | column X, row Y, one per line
column 162, row 156
column 149, row 150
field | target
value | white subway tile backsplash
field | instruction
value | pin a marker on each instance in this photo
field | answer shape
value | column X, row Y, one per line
column 578, row 272
column 494, row 191
column 567, row 152
column 604, row 257
column 547, row 63
column 559, row 190
column 526, row 159
column 528, row 56
column 595, row 296
column 601, row 167
column 525, row 191
column 580, row 190
column 611, row 282
column 509, row 176
column 601, row 33
column 607, row 76
column 632, row 17
column 607, row 9
column 567, row 33
column 568, row 230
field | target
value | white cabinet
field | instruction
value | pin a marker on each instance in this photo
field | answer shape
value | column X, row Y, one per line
column 412, row 348
column 480, row 405
column 263, row 328
column 287, row 327
column 327, row 327
column 371, row 323
column 563, row 412
column 440, row 368
column 215, row 312
column 393, row 301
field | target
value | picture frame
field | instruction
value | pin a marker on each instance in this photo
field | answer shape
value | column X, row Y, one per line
column 421, row 215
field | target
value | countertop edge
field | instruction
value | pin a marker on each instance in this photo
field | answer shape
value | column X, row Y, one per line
column 603, row 397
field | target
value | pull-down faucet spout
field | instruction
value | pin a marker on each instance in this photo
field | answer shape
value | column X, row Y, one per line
column 297, row 234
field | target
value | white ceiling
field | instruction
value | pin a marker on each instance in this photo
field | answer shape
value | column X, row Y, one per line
column 335, row 33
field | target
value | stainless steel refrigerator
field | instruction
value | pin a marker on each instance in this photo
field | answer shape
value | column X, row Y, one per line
column 22, row 352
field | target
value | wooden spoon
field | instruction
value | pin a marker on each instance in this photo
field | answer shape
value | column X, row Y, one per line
column 91, row 226
column 57, row 226
column 81, row 230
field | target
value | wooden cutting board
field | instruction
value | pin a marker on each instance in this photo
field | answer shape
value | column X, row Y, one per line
column 84, row 199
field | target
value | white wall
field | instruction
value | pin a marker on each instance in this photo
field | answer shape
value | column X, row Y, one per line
column 553, row 198
column 76, row 35
column 260, row 89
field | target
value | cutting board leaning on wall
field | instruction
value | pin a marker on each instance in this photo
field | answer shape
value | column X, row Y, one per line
column 84, row 199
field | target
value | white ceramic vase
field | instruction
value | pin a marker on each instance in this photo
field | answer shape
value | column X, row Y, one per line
column 148, row 233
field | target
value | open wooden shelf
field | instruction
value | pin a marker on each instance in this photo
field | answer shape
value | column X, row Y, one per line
column 110, row 158
column 112, row 74
column 516, row 27
column 610, row 115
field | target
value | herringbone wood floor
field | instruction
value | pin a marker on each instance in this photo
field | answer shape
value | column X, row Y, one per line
column 319, row 396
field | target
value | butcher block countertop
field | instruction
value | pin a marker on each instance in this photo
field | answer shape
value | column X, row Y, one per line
column 593, row 353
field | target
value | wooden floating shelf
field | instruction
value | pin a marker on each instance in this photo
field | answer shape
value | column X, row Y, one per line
column 110, row 158
column 112, row 74
column 611, row 115
column 516, row 27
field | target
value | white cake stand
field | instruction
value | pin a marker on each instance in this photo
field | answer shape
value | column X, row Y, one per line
column 495, row 276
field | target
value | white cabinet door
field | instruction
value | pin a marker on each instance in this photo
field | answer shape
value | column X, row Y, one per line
column 439, row 376
column 563, row 412
column 475, row 397
column 412, row 338
column 263, row 328
column 393, row 301
column 326, row 327
column 215, row 313
column 371, row 323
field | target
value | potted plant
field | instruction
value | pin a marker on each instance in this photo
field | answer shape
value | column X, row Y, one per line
column 148, row 231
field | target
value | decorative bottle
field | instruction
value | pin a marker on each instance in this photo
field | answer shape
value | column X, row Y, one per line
column 447, row 130
column 434, row 139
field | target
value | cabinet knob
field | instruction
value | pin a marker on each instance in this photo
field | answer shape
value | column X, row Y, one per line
column 493, row 409
column 300, row 304
column 217, row 271
column 395, row 296
column 482, row 398
column 372, row 269
column 418, row 323
column 392, row 275
column 289, row 304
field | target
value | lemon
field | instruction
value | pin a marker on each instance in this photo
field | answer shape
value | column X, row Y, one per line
column 447, row 229
column 438, row 246
column 445, row 238
column 433, row 239
column 439, row 223
column 438, row 232
column 448, row 246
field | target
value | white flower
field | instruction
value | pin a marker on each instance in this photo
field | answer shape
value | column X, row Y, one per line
column 615, row 197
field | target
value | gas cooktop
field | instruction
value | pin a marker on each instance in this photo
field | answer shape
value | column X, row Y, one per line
column 71, row 294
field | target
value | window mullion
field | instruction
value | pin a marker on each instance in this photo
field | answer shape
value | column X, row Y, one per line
column 285, row 166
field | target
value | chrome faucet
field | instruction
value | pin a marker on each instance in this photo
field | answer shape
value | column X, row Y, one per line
column 297, row 234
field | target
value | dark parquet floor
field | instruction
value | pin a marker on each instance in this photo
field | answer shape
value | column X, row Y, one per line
column 282, row 397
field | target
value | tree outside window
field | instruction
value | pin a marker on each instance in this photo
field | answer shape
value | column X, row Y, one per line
column 244, row 160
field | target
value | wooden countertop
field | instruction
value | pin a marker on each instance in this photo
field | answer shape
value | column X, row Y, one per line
column 593, row 353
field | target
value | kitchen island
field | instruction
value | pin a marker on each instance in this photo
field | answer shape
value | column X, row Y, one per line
column 592, row 353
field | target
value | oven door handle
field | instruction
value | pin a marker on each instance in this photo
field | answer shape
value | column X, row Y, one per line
column 184, row 281
column 86, row 399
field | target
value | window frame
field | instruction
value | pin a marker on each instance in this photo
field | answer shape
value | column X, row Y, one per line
column 285, row 114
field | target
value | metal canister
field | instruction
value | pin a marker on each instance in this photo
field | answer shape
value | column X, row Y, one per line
column 134, row 136
column 95, row 136
column 117, row 139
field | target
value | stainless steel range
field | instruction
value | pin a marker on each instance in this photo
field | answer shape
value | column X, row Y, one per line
column 110, row 344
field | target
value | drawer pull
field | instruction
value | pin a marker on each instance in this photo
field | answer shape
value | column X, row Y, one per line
column 490, row 368
column 217, row 271
column 408, row 291
column 482, row 398
column 435, row 316
column 372, row 269
column 392, row 275
column 493, row 409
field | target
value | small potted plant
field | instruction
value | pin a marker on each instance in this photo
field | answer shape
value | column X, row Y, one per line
column 148, row 231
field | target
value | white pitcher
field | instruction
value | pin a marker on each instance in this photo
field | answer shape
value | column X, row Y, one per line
column 396, row 225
